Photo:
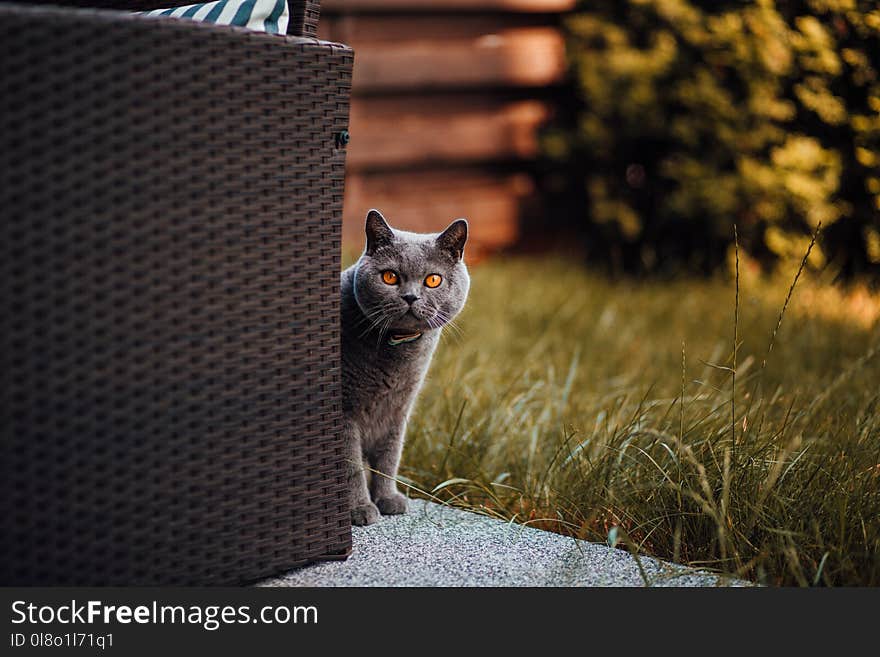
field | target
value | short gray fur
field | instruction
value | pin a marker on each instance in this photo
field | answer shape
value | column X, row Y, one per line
column 381, row 376
column 435, row 545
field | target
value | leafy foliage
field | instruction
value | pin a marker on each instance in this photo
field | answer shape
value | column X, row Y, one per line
column 692, row 116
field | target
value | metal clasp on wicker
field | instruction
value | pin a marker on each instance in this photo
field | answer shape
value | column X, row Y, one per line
column 342, row 138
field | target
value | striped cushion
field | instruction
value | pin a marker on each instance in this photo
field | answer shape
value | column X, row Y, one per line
column 263, row 15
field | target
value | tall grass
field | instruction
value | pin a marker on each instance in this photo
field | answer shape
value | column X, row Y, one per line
column 590, row 408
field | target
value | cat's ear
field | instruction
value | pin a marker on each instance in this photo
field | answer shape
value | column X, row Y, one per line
column 454, row 237
column 378, row 231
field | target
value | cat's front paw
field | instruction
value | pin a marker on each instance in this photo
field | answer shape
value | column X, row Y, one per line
column 393, row 505
column 365, row 514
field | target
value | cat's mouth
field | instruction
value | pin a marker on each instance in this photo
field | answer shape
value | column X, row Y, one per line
column 414, row 319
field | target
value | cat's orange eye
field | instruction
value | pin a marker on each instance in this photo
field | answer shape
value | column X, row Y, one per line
column 389, row 277
column 433, row 280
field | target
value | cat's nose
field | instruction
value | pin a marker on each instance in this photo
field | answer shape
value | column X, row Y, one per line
column 410, row 298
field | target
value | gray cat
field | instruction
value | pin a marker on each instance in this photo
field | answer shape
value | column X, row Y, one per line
column 395, row 301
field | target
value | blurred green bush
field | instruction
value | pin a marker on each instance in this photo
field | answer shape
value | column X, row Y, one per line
column 688, row 117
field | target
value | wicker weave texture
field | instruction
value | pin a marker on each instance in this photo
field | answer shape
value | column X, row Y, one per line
column 170, row 208
column 304, row 14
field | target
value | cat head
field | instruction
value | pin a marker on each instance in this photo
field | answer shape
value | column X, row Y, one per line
column 411, row 281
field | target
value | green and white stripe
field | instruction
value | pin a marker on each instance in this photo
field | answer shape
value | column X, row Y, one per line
column 263, row 15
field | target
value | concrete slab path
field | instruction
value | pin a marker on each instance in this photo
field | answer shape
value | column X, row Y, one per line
column 435, row 545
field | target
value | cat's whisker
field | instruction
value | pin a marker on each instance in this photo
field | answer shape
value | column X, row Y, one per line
column 365, row 319
column 374, row 324
column 376, row 317
column 379, row 324
column 452, row 335
column 371, row 314
column 453, row 324
column 384, row 329
column 435, row 323
column 455, row 332
column 370, row 317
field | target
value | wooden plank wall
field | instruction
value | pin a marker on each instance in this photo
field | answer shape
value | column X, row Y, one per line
column 446, row 98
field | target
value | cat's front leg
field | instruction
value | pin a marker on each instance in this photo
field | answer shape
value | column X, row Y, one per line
column 385, row 459
column 363, row 511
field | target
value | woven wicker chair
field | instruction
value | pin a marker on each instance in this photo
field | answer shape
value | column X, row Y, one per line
column 170, row 208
